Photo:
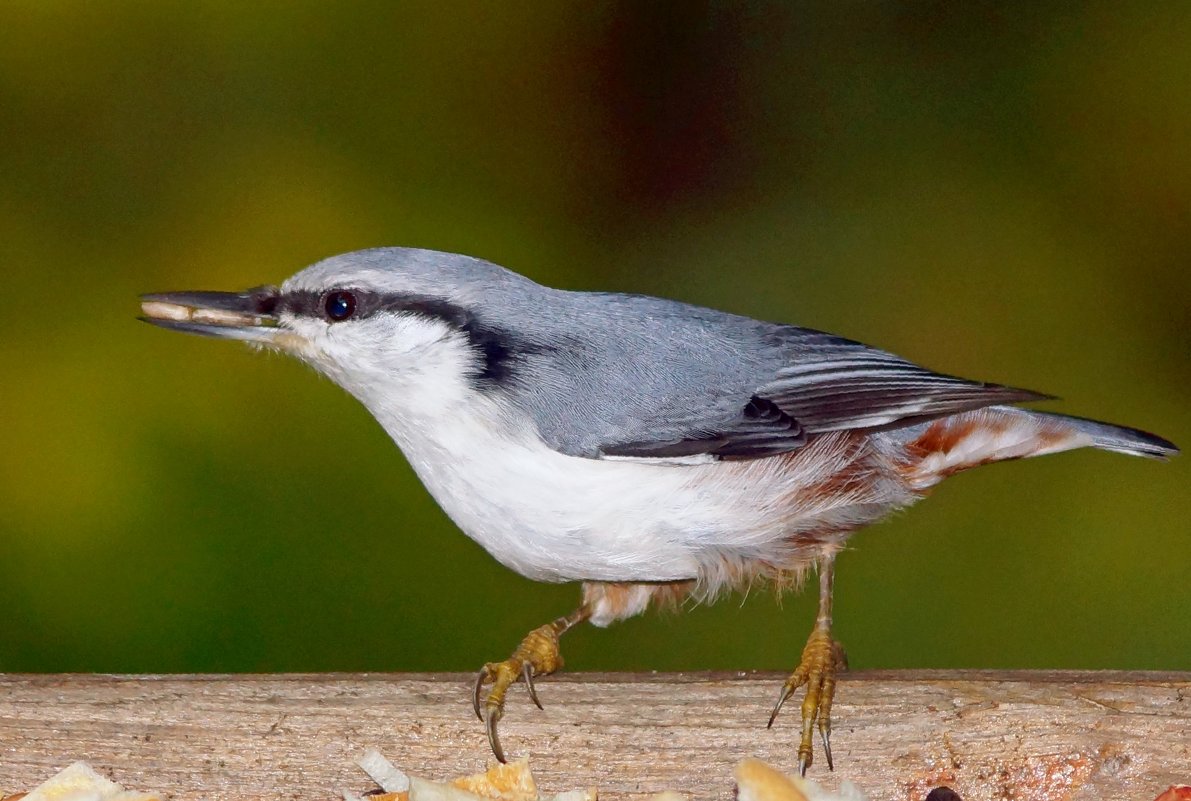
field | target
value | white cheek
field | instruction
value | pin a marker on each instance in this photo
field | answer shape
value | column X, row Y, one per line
column 396, row 365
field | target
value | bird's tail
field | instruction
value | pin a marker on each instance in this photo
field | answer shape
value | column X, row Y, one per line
column 946, row 446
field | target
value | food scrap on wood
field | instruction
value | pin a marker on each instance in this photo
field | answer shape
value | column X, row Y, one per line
column 755, row 781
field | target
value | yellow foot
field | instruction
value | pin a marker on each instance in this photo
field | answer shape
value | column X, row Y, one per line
column 822, row 658
column 537, row 655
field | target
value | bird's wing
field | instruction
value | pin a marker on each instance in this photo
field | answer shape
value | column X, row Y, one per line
column 761, row 428
column 826, row 383
column 861, row 387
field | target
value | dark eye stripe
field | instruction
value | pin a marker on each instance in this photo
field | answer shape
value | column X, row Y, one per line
column 496, row 349
column 334, row 305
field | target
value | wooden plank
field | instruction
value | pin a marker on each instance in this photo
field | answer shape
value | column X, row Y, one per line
column 1053, row 735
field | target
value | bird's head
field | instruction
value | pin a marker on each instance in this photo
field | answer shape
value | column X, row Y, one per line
column 388, row 324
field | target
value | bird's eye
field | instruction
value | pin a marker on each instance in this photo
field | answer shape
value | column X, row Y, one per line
column 339, row 305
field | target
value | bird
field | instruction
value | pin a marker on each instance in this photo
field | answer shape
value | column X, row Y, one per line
column 651, row 450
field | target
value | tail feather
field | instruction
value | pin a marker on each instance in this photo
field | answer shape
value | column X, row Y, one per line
column 959, row 442
column 1120, row 439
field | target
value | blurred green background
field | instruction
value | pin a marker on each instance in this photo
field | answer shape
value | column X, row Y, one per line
column 1000, row 193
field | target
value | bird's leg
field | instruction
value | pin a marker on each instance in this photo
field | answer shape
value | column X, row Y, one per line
column 821, row 659
column 537, row 655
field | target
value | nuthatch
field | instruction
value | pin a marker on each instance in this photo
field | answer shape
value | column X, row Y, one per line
column 650, row 449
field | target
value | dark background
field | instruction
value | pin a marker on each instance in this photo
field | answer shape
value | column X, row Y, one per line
column 1000, row 192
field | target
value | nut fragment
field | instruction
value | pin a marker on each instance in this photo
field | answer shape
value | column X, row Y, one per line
column 756, row 781
column 1178, row 792
column 166, row 311
column 80, row 781
column 510, row 782
column 181, row 313
column 383, row 772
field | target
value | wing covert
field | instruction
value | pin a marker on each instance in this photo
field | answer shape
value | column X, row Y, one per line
column 761, row 429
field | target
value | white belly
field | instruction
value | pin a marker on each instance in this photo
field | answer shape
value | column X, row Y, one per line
column 553, row 517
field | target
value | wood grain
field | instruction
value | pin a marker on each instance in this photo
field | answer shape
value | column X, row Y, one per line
column 1018, row 736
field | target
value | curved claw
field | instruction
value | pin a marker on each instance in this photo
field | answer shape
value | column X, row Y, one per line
column 481, row 678
column 527, row 674
column 799, row 678
column 804, row 762
column 494, row 714
column 825, row 736
column 782, row 697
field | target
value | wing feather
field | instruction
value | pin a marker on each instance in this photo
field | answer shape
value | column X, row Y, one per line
column 760, row 429
column 826, row 383
column 878, row 391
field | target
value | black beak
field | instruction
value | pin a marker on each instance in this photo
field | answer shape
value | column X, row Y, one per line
column 249, row 315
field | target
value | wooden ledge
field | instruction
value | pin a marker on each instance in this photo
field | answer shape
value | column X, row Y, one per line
column 988, row 735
